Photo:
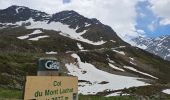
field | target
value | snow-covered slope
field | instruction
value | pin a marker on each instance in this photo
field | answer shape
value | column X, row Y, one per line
column 159, row 46
column 92, row 78
column 58, row 26
column 68, row 23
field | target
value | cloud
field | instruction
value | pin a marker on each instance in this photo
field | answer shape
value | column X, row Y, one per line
column 161, row 9
column 4, row 4
column 142, row 15
column 151, row 27
column 165, row 21
column 119, row 14
column 141, row 31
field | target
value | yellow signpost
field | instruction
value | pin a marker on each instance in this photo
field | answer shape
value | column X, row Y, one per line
column 51, row 88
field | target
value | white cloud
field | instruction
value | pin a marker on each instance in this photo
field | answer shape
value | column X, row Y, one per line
column 141, row 31
column 161, row 9
column 142, row 15
column 151, row 27
column 4, row 4
column 119, row 14
column 165, row 21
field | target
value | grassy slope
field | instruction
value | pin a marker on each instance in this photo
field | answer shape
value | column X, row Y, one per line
column 10, row 93
column 16, row 94
column 86, row 97
column 145, row 61
column 150, row 61
column 14, row 64
column 13, row 94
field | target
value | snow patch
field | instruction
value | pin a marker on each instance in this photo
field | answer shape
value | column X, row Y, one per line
column 57, row 26
column 23, row 37
column 168, row 55
column 111, row 61
column 122, row 46
column 51, row 52
column 142, row 46
column 17, row 9
column 113, row 41
column 94, row 76
column 117, row 94
column 80, row 46
column 131, row 58
column 85, row 50
column 62, row 28
column 135, row 70
column 133, row 63
column 65, row 18
column 86, row 24
column 167, row 91
column 119, row 47
column 37, row 38
column 169, row 50
column 117, row 68
column 120, row 52
column 36, row 32
column 27, row 36
column 114, row 94
column 69, row 51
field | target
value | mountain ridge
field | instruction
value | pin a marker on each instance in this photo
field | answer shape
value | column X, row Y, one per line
column 83, row 47
column 158, row 46
column 79, row 22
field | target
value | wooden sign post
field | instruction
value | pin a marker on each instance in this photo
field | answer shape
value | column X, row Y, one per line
column 48, row 85
column 51, row 88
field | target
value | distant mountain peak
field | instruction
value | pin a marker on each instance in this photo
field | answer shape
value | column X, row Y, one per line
column 16, row 6
column 159, row 46
column 68, row 12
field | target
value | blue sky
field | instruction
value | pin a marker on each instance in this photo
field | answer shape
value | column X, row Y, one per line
column 66, row 1
column 149, row 22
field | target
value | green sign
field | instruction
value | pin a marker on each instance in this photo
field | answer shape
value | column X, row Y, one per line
column 48, row 64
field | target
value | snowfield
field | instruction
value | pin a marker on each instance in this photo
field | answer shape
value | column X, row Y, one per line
column 37, row 38
column 117, row 68
column 23, row 37
column 51, row 52
column 120, row 52
column 117, row 94
column 60, row 27
column 135, row 70
column 93, row 78
column 167, row 91
column 27, row 36
column 36, row 32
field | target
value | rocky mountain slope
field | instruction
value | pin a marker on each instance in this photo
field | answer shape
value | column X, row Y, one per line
column 159, row 46
column 85, row 48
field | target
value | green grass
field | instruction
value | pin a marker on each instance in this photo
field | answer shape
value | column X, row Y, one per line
column 6, row 94
column 86, row 97
column 10, row 93
column 13, row 94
